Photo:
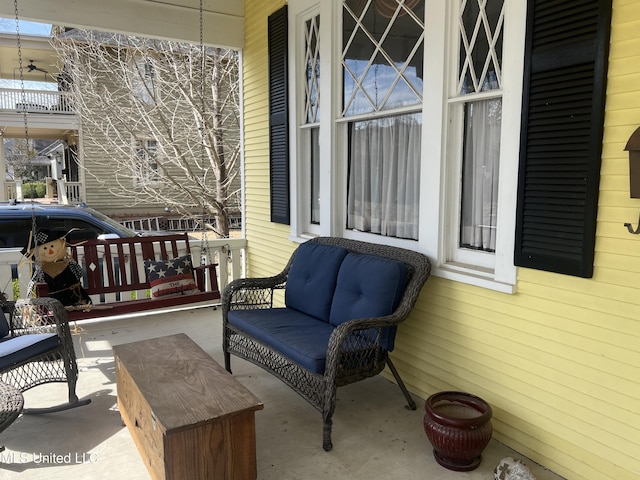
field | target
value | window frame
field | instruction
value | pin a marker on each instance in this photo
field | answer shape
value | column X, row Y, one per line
column 302, row 227
column 305, row 131
column 454, row 256
column 143, row 80
column 437, row 180
column 141, row 178
column 495, row 271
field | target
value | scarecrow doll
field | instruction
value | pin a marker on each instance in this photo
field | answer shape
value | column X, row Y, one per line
column 54, row 266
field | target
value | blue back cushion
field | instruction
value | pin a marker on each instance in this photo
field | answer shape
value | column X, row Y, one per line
column 312, row 279
column 368, row 286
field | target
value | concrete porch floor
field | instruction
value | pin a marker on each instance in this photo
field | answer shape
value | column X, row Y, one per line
column 374, row 436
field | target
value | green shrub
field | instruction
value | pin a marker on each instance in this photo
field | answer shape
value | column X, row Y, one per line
column 34, row 190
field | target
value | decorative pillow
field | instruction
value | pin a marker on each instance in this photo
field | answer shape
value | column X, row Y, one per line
column 171, row 277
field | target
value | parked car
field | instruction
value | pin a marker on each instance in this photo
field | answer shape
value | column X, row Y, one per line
column 16, row 222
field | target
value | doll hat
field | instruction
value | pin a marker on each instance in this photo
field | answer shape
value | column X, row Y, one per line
column 44, row 236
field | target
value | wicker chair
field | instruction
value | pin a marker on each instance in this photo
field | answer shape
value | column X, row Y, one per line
column 354, row 352
column 37, row 348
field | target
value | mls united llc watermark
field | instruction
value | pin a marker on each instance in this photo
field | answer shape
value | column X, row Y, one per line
column 48, row 458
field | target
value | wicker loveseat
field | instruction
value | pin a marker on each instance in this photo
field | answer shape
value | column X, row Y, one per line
column 343, row 302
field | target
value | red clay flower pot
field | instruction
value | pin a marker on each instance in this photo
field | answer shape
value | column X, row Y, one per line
column 458, row 425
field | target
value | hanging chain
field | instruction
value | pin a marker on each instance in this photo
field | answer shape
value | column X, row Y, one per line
column 205, row 239
column 21, row 70
column 33, row 238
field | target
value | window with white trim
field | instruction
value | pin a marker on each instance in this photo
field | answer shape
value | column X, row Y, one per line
column 310, row 130
column 475, row 114
column 305, row 118
column 418, row 142
column 382, row 60
column 146, row 152
column 143, row 80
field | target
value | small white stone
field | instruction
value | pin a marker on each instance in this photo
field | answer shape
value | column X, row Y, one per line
column 510, row 469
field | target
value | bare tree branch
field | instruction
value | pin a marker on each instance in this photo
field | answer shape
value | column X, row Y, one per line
column 167, row 121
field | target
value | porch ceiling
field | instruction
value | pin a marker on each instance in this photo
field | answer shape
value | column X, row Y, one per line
column 34, row 48
column 223, row 20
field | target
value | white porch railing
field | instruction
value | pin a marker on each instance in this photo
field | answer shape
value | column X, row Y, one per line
column 72, row 190
column 68, row 192
column 228, row 253
column 35, row 101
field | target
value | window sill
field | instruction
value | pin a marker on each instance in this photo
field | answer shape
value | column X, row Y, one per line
column 301, row 238
column 483, row 278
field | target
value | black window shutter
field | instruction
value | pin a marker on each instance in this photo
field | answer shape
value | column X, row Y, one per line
column 561, row 141
column 278, row 117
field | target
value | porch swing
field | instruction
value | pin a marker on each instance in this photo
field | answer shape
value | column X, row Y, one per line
column 144, row 273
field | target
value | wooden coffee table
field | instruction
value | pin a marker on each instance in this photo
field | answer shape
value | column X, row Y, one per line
column 188, row 416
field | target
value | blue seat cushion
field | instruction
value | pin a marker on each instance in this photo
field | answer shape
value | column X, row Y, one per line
column 312, row 279
column 19, row 349
column 301, row 338
column 368, row 286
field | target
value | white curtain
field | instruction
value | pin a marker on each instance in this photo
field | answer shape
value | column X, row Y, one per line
column 480, row 174
column 384, row 176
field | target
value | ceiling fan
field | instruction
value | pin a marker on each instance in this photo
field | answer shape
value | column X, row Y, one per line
column 31, row 67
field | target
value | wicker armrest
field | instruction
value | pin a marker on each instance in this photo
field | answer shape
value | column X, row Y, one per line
column 345, row 337
column 249, row 293
column 41, row 315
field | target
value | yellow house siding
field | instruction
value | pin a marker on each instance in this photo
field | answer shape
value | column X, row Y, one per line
column 559, row 361
column 547, row 363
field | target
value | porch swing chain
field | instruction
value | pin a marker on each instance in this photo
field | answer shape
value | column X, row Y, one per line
column 205, row 240
column 23, row 96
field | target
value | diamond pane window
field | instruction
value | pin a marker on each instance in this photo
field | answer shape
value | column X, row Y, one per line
column 382, row 54
column 312, row 61
column 480, row 25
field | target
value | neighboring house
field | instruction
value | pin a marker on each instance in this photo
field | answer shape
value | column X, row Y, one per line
column 145, row 166
column 95, row 174
column 533, row 303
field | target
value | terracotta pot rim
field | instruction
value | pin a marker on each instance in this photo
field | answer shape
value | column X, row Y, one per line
column 463, row 398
